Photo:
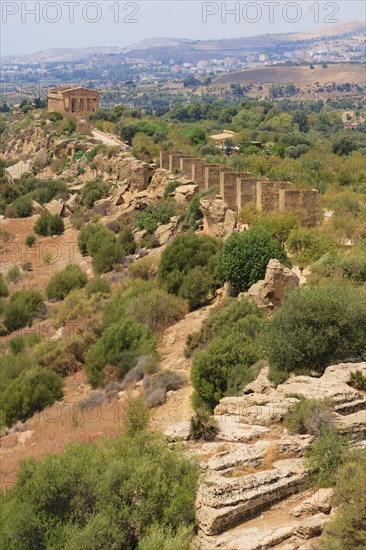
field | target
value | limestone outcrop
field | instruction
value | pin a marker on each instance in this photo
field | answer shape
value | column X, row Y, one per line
column 222, row 502
column 252, row 493
column 218, row 219
column 278, row 280
column 185, row 193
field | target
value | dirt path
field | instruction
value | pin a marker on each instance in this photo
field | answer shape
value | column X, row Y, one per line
column 106, row 138
column 178, row 407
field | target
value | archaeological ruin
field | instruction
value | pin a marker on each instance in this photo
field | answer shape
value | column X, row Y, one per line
column 70, row 100
column 238, row 189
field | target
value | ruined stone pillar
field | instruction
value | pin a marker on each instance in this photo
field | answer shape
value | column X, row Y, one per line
column 228, row 186
column 246, row 185
column 174, row 161
column 198, row 173
column 211, row 175
column 186, row 167
column 302, row 202
column 164, row 159
column 268, row 195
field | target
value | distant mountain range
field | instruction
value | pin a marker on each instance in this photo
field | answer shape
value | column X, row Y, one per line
column 183, row 49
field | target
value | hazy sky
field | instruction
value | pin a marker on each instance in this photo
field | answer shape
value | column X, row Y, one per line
column 28, row 27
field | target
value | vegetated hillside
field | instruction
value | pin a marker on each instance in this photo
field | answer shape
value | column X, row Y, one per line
column 304, row 76
column 142, row 309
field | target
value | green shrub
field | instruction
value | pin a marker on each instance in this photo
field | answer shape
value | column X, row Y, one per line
column 170, row 188
column 63, row 356
column 136, row 416
column 22, row 307
column 105, row 258
column 120, row 345
column 14, row 274
column 78, row 305
column 122, row 494
column 233, row 316
column 230, row 359
column 358, row 380
column 245, row 256
column 63, row 282
column 348, row 528
column 310, row 416
column 97, row 285
column 154, row 216
column 17, row 345
column 49, row 224
column 203, row 426
column 309, row 245
column 126, row 241
column 325, row 456
column 315, row 327
column 187, row 252
column 93, row 237
column 56, row 225
column 157, row 309
column 3, row 287
column 30, row 392
column 212, row 368
column 350, row 266
column 165, row 538
column 93, row 191
column 145, row 268
column 279, row 225
column 11, row 366
column 22, row 207
column 30, row 240
column 197, row 287
column 193, row 213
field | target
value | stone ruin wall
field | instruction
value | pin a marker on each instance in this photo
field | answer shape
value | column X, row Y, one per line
column 138, row 174
column 303, row 202
column 238, row 189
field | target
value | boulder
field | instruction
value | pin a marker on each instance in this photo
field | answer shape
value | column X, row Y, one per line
column 218, row 219
column 231, row 429
column 229, row 222
column 159, row 182
column 179, row 431
column 184, row 193
column 261, row 385
column 256, row 408
column 164, row 232
column 15, row 172
column 320, row 501
column 278, row 280
column 55, row 207
column 332, row 384
column 138, row 174
column 311, row 527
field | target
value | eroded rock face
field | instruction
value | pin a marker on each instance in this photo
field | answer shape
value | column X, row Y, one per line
column 218, row 218
column 222, row 502
column 165, row 232
column 320, row 501
column 185, row 193
column 252, row 494
column 159, row 182
column 137, row 173
column 278, row 280
column 332, row 384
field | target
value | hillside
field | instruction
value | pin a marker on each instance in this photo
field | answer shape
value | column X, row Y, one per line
column 189, row 50
column 183, row 326
column 303, row 76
